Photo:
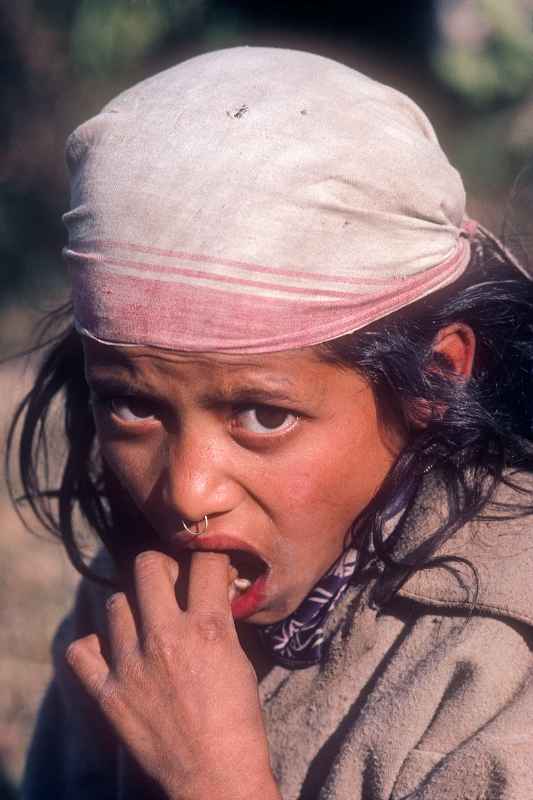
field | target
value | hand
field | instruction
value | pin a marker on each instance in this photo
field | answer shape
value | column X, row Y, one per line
column 178, row 689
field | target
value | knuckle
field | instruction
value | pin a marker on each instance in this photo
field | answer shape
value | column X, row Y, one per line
column 80, row 660
column 148, row 561
column 75, row 652
column 132, row 671
column 211, row 626
column 160, row 644
column 152, row 565
column 115, row 602
column 107, row 696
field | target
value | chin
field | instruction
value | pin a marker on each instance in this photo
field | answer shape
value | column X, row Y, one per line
column 269, row 616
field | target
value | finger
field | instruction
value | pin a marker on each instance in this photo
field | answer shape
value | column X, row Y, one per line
column 84, row 657
column 182, row 583
column 208, row 582
column 121, row 628
column 155, row 576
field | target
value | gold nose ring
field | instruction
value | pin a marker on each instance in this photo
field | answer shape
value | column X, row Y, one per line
column 192, row 532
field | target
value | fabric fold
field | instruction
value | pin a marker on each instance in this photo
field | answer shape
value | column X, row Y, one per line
column 255, row 200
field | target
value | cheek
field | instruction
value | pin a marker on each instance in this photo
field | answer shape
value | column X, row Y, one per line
column 135, row 465
column 340, row 472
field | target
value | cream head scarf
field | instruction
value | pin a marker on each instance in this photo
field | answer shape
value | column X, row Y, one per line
column 254, row 200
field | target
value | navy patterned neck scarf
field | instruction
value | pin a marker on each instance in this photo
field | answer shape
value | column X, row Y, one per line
column 296, row 642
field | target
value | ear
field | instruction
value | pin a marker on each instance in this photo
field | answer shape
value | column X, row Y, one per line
column 456, row 345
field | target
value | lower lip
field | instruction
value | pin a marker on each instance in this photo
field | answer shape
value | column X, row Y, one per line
column 247, row 603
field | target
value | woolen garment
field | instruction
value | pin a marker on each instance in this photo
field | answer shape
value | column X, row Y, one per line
column 257, row 199
column 414, row 700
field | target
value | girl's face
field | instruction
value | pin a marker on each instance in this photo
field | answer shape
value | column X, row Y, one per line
column 280, row 451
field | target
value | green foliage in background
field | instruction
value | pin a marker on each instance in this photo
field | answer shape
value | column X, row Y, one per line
column 63, row 59
column 495, row 63
column 107, row 35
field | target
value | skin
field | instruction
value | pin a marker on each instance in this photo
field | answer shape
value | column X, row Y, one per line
column 281, row 452
column 194, row 444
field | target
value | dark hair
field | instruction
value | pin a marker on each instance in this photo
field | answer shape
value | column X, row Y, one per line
column 476, row 435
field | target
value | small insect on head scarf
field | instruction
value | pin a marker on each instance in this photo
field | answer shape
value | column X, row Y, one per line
column 254, row 200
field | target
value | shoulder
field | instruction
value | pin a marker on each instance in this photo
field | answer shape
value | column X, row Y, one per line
column 88, row 613
column 73, row 751
column 493, row 555
column 478, row 739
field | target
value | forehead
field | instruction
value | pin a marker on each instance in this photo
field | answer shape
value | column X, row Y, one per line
column 288, row 369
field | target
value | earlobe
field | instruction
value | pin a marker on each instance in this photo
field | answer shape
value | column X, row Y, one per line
column 456, row 344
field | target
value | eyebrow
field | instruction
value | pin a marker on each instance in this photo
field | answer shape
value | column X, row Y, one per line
column 239, row 395
column 108, row 385
column 247, row 394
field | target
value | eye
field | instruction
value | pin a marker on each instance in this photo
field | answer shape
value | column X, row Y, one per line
column 131, row 409
column 265, row 419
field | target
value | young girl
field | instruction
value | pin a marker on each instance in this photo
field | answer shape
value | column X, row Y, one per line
column 297, row 399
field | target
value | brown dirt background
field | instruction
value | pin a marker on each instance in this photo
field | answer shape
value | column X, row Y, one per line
column 37, row 582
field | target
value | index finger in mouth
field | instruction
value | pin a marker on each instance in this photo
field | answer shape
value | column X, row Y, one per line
column 155, row 577
column 208, row 582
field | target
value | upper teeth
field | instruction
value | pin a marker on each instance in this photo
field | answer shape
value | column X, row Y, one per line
column 242, row 584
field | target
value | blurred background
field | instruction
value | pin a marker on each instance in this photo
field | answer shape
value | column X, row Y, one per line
column 468, row 63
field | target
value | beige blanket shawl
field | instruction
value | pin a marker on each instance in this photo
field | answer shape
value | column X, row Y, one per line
column 413, row 701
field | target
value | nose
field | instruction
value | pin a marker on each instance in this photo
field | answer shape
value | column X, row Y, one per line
column 199, row 477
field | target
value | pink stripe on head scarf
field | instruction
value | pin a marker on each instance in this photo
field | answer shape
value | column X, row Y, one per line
column 257, row 199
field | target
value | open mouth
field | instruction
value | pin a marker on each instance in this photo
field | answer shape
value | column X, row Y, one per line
column 248, row 574
column 247, row 568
